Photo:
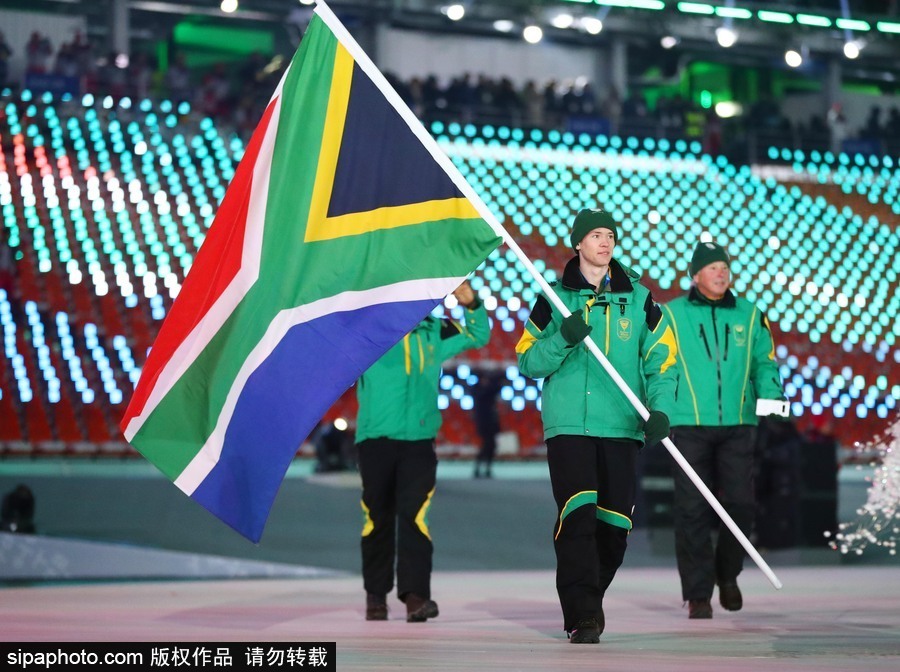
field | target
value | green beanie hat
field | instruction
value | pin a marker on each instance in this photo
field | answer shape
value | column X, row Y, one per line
column 588, row 220
column 706, row 254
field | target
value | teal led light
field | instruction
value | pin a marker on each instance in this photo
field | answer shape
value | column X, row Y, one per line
column 734, row 13
column 853, row 24
column 774, row 17
column 696, row 8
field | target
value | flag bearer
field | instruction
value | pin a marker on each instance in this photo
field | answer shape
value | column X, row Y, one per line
column 593, row 433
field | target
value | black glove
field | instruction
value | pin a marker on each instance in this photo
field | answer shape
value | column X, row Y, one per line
column 656, row 428
column 574, row 329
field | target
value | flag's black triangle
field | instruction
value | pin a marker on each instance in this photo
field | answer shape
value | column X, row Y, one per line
column 381, row 163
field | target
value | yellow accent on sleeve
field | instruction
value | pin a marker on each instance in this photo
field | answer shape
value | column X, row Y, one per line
column 668, row 340
column 525, row 342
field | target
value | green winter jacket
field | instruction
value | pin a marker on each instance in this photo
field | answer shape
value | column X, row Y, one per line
column 398, row 394
column 726, row 360
column 579, row 397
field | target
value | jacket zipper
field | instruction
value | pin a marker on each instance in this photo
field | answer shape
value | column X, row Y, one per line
column 727, row 333
column 705, row 342
column 718, row 361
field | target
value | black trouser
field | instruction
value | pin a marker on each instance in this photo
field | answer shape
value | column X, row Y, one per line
column 723, row 458
column 593, row 483
column 398, row 479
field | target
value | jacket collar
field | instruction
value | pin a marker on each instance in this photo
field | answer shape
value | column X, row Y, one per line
column 727, row 301
column 619, row 280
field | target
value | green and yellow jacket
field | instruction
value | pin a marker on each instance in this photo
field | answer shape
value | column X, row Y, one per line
column 398, row 394
column 726, row 360
column 579, row 397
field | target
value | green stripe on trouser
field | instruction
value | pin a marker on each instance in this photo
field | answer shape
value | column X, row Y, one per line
column 589, row 497
column 613, row 518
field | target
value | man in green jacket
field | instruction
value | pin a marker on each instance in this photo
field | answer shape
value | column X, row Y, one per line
column 593, row 434
column 397, row 423
column 726, row 361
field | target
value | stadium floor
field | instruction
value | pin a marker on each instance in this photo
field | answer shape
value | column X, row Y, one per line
column 121, row 555
column 825, row 618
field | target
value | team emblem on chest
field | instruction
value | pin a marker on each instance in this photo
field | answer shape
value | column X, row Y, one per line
column 740, row 334
column 623, row 328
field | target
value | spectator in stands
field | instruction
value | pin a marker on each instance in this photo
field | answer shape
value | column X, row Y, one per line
column 66, row 61
column 433, row 99
column 5, row 54
column 712, row 134
column 140, row 75
column 635, row 115
column 84, row 55
column 593, row 433
column 612, row 109
column 112, row 76
column 416, row 99
column 487, row 419
column 468, row 97
column 397, row 424
column 570, row 100
column 552, row 104
column 892, row 126
column 837, row 127
column 508, row 102
column 533, row 101
column 486, row 102
column 726, row 361
column 872, row 130
column 178, row 80
column 38, row 51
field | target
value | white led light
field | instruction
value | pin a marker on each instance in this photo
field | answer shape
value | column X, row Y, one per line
column 455, row 12
column 533, row 34
column 562, row 21
column 793, row 58
column 592, row 25
column 726, row 37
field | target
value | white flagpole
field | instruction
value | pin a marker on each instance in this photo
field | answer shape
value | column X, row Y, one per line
column 366, row 64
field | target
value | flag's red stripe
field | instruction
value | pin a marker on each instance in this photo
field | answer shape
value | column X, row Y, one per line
column 215, row 266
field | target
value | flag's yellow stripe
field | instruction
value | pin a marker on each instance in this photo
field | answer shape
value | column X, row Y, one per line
column 389, row 218
column 331, row 141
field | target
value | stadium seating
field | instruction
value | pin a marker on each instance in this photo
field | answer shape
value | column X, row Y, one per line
column 107, row 202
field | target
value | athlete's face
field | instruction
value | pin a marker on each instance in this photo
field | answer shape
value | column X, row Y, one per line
column 713, row 280
column 597, row 247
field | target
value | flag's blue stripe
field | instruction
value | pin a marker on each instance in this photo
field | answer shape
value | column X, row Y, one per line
column 286, row 396
column 381, row 162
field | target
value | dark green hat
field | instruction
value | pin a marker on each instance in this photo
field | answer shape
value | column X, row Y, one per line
column 588, row 220
column 706, row 254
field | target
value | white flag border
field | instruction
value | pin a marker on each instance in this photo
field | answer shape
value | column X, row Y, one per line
column 409, row 290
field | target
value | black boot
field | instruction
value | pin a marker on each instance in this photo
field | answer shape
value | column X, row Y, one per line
column 419, row 610
column 586, row 631
column 730, row 596
column 376, row 607
column 699, row 609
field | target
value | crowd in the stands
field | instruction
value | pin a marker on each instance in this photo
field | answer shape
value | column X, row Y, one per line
column 237, row 94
